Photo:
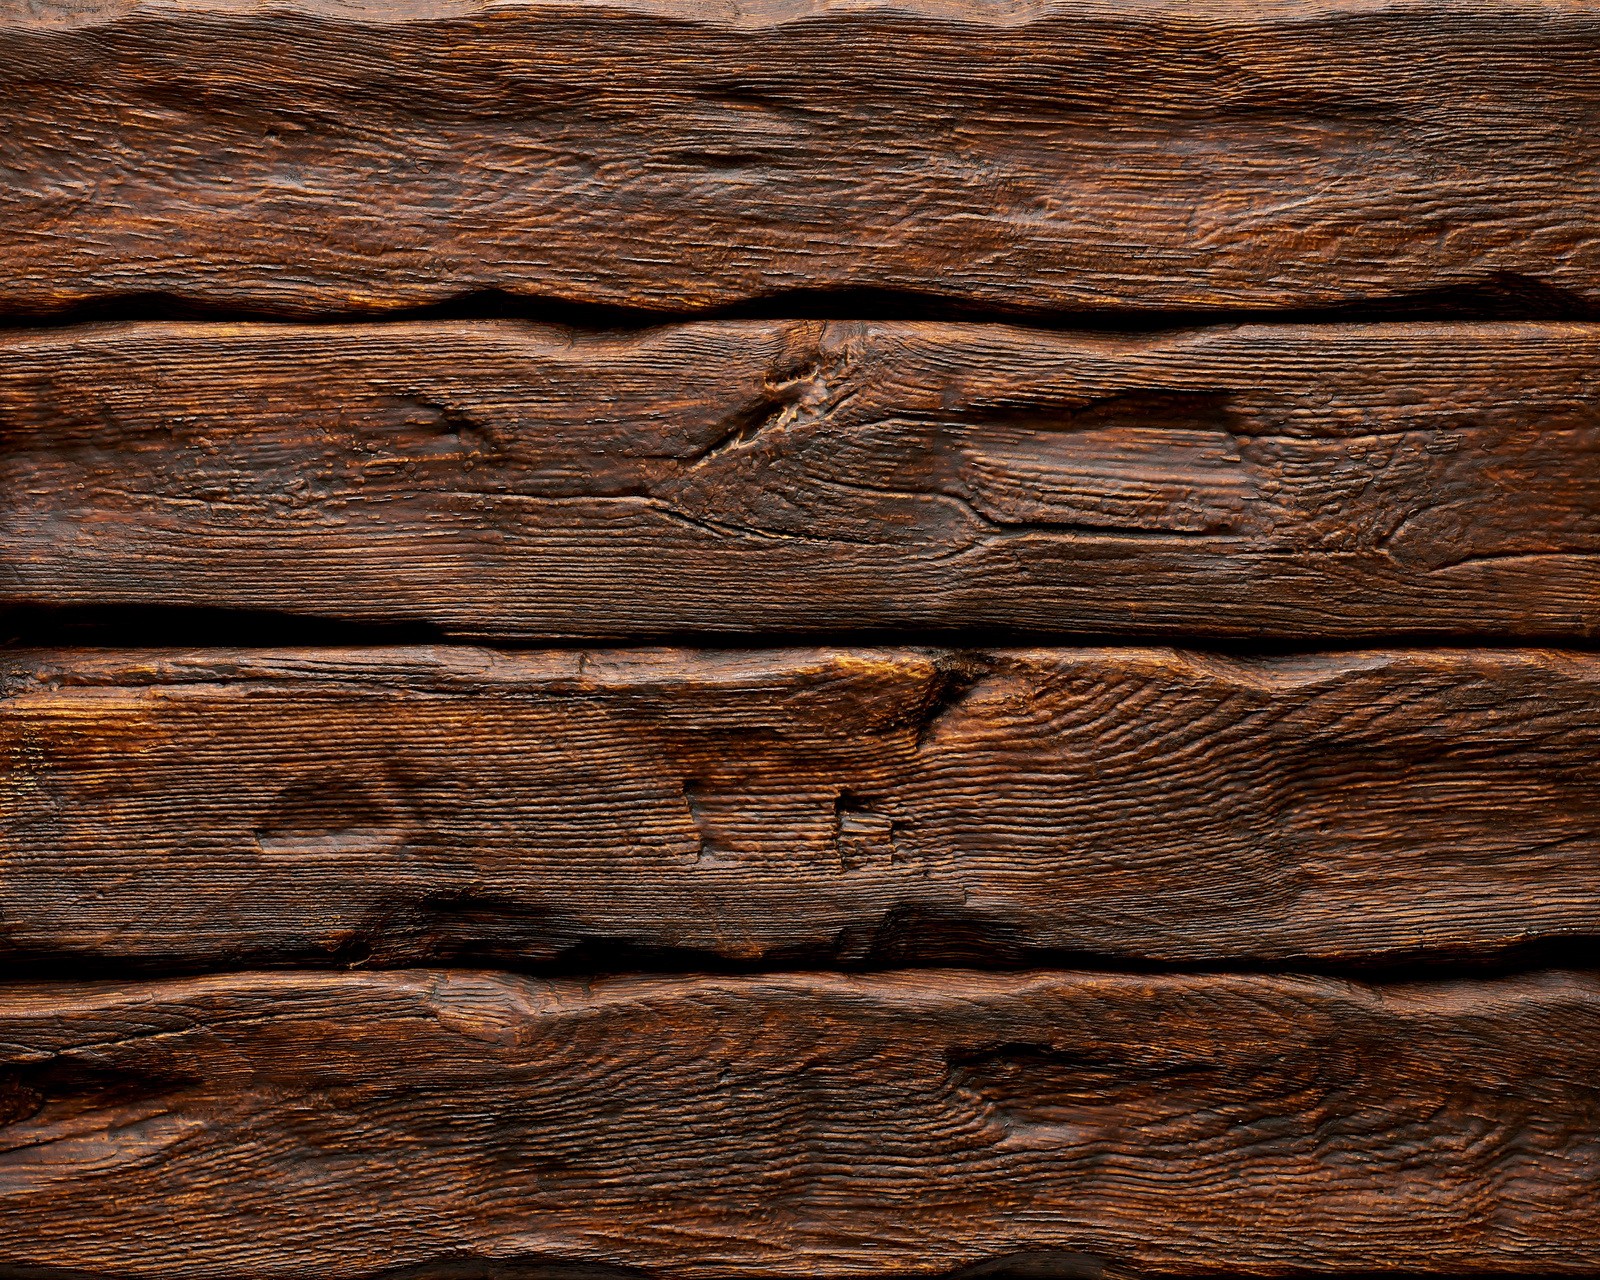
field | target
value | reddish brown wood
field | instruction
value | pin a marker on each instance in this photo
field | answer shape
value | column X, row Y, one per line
column 748, row 477
column 858, row 807
column 315, row 156
column 173, row 811
column 342, row 1126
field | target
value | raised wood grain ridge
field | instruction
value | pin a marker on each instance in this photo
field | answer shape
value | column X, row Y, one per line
column 507, row 478
column 316, row 157
column 863, row 807
column 339, row 1126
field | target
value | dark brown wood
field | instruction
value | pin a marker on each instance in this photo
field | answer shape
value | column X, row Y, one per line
column 862, row 807
column 225, row 861
column 806, row 1125
column 676, row 155
column 503, row 478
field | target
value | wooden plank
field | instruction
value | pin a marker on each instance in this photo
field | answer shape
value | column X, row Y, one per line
column 857, row 807
column 677, row 155
column 799, row 1125
column 756, row 476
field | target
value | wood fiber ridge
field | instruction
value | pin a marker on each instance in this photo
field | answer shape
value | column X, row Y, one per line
column 757, row 14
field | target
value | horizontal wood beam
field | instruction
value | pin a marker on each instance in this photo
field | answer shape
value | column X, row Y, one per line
column 344, row 1126
column 793, row 477
column 832, row 806
column 1026, row 157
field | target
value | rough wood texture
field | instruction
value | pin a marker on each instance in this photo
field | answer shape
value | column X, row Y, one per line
column 679, row 155
column 755, row 476
column 831, row 806
column 342, row 1125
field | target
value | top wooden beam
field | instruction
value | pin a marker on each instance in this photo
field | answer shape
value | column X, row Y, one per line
column 679, row 156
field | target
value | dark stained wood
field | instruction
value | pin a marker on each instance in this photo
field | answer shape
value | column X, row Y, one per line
column 503, row 478
column 333, row 838
column 838, row 806
column 799, row 1125
column 318, row 156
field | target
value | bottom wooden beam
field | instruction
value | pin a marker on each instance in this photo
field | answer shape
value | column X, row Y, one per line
column 344, row 1125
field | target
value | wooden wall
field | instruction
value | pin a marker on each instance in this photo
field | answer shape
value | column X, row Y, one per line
column 799, row 639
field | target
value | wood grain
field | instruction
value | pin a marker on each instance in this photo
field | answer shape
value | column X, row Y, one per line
column 857, row 807
column 806, row 1125
column 675, row 155
column 746, row 477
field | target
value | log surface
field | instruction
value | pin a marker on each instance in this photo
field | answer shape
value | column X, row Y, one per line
column 321, row 157
column 855, row 807
column 791, row 477
column 799, row 1125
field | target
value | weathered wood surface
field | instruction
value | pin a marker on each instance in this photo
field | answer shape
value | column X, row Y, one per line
column 799, row 1125
column 495, row 478
column 863, row 807
column 678, row 155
